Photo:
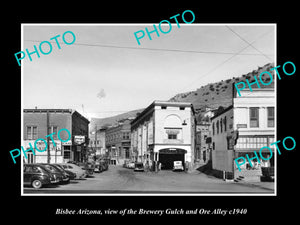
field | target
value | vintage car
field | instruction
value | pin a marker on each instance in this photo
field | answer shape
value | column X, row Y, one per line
column 129, row 164
column 88, row 167
column 80, row 173
column 177, row 166
column 138, row 166
column 267, row 173
column 101, row 165
column 71, row 175
column 125, row 164
column 62, row 176
column 37, row 176
column 104, row 163
column 98, row 167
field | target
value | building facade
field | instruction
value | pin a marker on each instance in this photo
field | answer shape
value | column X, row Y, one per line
column 38, row 123
column 97, row 145
column 203, row 150
column 245, row 127
column 117, row 141
column 164, row 132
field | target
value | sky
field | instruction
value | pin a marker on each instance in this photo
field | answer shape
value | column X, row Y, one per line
column 105, row 72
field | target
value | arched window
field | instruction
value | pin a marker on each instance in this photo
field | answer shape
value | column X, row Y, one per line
column 173, row 127
column 172, row 121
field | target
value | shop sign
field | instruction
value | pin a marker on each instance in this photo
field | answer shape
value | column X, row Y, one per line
column 67, row 143
column 172, row 151
column 79, row 139
column 42, row 145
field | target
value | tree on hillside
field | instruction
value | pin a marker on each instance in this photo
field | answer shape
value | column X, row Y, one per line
column 219, row 110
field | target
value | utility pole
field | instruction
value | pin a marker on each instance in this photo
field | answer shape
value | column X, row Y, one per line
column 95, row 139
column 48, row 147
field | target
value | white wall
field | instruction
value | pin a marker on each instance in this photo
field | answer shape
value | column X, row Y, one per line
column 152, row 131
column 261, row 98
column 221, row 155
column 41, row 157
column 183, row 115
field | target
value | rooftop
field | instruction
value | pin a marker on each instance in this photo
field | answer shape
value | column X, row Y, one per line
column 162, row 103
column 71, row 111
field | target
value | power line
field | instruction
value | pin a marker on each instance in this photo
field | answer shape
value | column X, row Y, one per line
column 247, row 42
column 222, row 63
column 154, row 49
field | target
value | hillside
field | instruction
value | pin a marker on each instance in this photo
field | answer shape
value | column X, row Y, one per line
column 212, row 95
column 220, row 93
column 112, row 120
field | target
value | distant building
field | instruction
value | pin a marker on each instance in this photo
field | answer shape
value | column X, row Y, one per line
column 117, row 141
column 244, row 127
column 202, row 152
column 38, row 123
column 209, row 112
column 164, row 132
column 97, row 145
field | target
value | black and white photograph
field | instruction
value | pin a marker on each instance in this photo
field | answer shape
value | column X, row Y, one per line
column 178, row 113
column 145, row 112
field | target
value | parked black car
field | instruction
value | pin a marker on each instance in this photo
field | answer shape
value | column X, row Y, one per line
column 139, row 166
column 66, row 177
column 88, row 167
column 63, row 178
column 101, row 165
column 98, row 167
column 37, row 176
column 267, row 173
column 71, row 175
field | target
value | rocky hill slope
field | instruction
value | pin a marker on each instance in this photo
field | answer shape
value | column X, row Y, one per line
column 219, row 93
column 212, row 95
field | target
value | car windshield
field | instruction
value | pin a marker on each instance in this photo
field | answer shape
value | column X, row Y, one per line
column 44, row 169
column 59, row 168
column 51, row 168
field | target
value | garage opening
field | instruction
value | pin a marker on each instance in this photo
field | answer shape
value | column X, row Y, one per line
column 169, row 155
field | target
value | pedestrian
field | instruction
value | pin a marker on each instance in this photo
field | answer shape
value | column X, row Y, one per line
column 159, row 166
column 150, row 165
column 147, row 166
column 186, row 166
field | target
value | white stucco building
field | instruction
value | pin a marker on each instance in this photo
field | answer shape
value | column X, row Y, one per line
column 164, row 132
column 244, row 127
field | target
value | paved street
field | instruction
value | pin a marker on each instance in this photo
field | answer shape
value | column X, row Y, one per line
column 122, row 180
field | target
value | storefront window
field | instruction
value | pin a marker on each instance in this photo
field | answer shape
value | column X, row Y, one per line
column 67, row 152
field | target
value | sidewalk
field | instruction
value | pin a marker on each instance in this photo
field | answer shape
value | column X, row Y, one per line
column 263, row 185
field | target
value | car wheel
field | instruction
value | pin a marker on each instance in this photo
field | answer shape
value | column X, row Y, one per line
column 36, row 184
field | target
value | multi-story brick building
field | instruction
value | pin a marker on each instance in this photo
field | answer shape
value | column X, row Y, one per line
column 117, row 141
column 202, row 151
column 38, row 123
column 97, row 141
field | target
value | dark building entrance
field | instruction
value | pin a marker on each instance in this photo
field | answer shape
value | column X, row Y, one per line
column 168, row 155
